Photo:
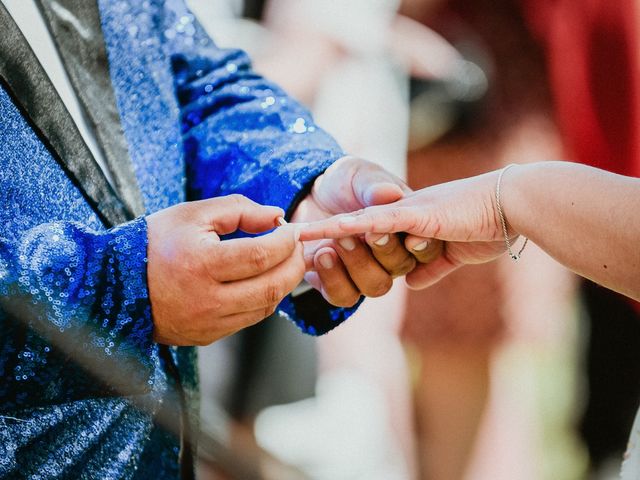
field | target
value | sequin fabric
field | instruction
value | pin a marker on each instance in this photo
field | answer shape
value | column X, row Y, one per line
column 83, row 386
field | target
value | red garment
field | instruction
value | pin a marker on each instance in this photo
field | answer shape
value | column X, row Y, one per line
column 594, row 67
column 593, row 54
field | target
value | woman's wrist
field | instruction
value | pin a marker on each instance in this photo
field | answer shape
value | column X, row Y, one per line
column 505, row 198
column 509, row 207
column 516, row 187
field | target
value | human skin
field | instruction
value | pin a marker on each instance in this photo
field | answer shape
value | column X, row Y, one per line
column 203, row 289
column 346, row 269
column 586, row 218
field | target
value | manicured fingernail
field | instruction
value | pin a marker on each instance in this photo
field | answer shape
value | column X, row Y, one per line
column 383, row 240
column 348, row 219
column 326, row 260
column 421, row 246
column 347, row 243
column 281, row 221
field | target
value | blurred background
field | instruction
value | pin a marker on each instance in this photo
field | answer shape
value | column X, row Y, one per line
column 501, row 371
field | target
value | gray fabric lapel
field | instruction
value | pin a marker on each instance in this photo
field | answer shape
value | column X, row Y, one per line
column 30, row 88
column 77, row 32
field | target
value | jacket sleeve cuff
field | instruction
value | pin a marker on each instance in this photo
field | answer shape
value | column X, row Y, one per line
column 313, row 314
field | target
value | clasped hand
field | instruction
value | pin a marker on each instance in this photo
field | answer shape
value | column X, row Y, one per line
column 202, row 288
column 456, row 222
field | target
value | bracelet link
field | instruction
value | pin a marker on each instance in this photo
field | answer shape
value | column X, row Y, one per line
column 514, row 256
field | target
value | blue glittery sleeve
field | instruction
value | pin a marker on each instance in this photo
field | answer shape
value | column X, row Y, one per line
column 243, row 134
column 75, row 314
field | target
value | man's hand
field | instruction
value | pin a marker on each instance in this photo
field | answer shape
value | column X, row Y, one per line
column 361, row 265
column 202, row 288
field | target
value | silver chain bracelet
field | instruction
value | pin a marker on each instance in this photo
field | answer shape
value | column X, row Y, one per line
column 514, row 256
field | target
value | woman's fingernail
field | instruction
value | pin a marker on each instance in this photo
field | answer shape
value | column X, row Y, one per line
column 326, row 260
column 421, row 246
column 348, row 219
column 281, row 221
column 383, row 240
column 347, row 243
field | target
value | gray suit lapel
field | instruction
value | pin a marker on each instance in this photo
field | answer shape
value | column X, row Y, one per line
column 30, row 88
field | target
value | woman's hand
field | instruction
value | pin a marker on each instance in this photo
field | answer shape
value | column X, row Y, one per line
column 462, row 214
column 344, row 270
column 585, row 218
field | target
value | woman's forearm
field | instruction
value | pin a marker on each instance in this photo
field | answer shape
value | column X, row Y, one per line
column 587, row 219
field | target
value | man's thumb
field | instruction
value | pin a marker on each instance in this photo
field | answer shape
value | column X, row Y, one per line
column 375, row 186
column 381, row 193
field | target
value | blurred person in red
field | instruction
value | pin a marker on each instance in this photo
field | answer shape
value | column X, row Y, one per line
column 593, row 54
column 578, row 63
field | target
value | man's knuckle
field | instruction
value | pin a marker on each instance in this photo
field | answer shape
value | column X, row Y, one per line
column 404, row 267
column 359, row 262
column 214, row 302
column 259, row 257
column 237, row 198
column 348, row 301
column 379, row 288
column 273, row 293
column 269, row 310
column 207, row 259
column 194, row 267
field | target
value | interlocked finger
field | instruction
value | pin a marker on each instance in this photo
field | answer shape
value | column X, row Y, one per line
column 425, row 250
column 370, row 278
column 389, row 251
column 333, row 279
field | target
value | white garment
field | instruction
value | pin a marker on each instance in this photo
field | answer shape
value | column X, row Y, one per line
column 631, row 464
column 28, row 18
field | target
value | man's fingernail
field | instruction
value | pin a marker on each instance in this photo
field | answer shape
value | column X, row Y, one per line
column 421, row 246
column 383, row 240
column 326, row 260
column 347, row 243
column 348, row 219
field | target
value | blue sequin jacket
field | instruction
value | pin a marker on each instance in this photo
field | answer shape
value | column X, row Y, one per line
column 77, row 359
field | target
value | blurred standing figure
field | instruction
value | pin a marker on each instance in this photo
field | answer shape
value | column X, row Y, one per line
column 592, row 50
